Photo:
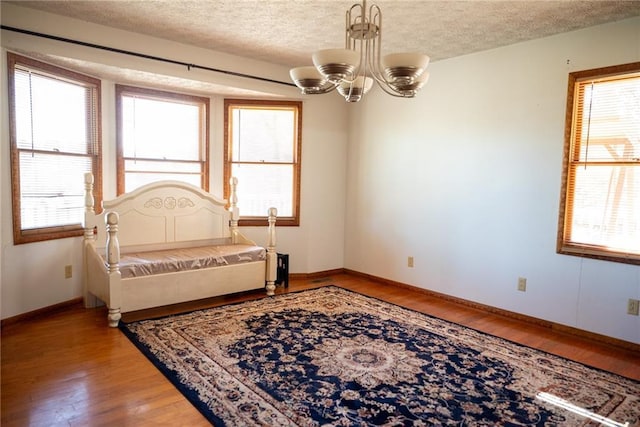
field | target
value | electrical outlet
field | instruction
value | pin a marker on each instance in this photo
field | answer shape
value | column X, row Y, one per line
column 410, row 261
column 633, row 307
column 522, row 284
column 68, row 272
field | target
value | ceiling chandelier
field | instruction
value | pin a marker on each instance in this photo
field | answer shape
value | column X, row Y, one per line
column 353, row 69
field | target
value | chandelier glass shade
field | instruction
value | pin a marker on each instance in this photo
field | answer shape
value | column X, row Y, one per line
column 353, row 70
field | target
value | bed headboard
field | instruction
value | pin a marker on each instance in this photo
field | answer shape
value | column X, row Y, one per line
column 160, row 213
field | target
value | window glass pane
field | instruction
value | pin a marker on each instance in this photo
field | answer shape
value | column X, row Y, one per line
column 600, row 211
column 54, row 141
column 41, row 123
column 139, row 172
column 52, row 189
column 135, row 180
column 164, row 135
column 610, row 150
column 606, row 207
column 131, row 165
column 263, row 135
column 156, row 129
column 262, row 146
column 610, row 120
column 263, row 186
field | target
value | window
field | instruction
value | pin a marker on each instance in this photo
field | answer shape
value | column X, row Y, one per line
column 54, row 120
column 262, row 150
column 600, row 208
column 161, row 136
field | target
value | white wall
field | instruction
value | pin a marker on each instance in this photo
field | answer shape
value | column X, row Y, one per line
column 466, row 179
column 32, row 275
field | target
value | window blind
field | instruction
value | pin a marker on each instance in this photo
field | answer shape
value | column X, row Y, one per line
column 56, row 140
column 603, row 195
column 263, row 149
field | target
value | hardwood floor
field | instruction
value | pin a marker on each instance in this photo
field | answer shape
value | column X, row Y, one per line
column 69, row 369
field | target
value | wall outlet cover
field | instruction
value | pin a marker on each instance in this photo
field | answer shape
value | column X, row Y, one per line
column 522, row 284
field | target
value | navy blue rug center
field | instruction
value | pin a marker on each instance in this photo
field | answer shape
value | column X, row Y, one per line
column 367, row 369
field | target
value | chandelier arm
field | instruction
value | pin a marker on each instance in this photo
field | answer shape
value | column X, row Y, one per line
column 347, row 44
column 361, row 71
column 375, row 64
column 358, row 71
column 376, row 19
column 364, row 58
column 328, row 87
column 352, row 24
column 325, row 88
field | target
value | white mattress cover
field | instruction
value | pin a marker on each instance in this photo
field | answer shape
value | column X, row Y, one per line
column 137, row 264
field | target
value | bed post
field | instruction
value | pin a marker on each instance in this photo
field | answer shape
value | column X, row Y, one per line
column 272, row 256
column 233, row 209
column 89, row 213
column 113, row 260
column 88, row 206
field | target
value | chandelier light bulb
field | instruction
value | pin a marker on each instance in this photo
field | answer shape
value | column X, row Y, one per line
column 353, row 91
column 336, row 64
column 404, row 67
column 409, row 89
column 307, row 78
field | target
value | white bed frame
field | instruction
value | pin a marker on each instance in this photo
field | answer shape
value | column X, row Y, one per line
column 165, row 215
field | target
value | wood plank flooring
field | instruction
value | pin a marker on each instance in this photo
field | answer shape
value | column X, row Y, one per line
column 70, row 369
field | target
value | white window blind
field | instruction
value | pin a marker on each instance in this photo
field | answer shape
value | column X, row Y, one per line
column 603, row 179
column 55, row 143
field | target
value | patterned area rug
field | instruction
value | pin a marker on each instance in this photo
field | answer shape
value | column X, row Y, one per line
column 332, row 357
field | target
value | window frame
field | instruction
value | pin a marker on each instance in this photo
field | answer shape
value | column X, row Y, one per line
column 229, row 104
column 94, row 151
column 163, row 96
column 571, row 147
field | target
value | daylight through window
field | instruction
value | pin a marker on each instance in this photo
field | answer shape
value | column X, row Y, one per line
column 601, row 203
column 263, row 152
column 55, row 140
column 161, row 136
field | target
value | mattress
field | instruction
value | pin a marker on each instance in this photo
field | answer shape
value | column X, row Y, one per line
column 137, row 264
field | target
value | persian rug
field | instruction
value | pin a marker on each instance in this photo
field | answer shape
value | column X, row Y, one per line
column 332, row 357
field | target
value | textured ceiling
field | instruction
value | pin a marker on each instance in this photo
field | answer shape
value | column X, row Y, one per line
column 287, row 32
